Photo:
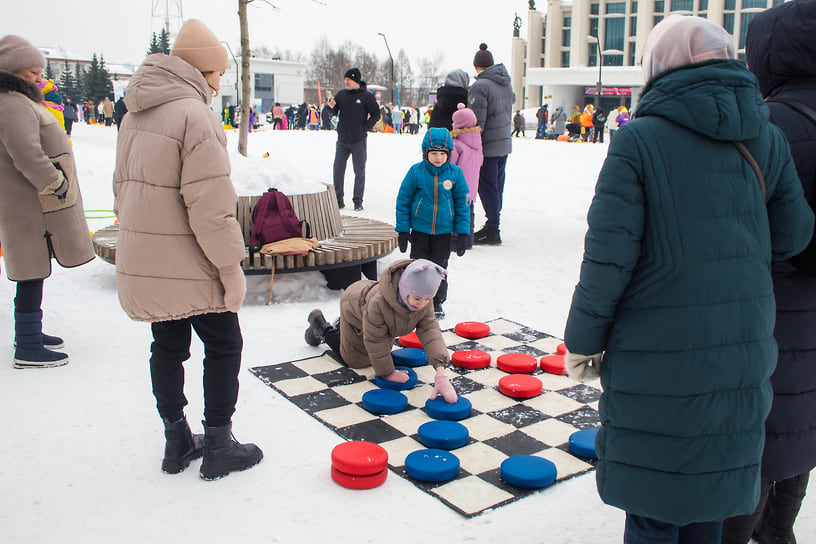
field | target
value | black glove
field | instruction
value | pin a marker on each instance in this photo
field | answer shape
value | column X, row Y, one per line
column 461, row 244
column 403, row 241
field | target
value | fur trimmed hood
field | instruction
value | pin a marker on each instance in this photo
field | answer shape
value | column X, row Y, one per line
column 10, row 82
column 457, row 131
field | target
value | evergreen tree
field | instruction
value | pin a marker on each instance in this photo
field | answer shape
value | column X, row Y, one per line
column 154, row 45
column 164, row 42
column 79, row 86
column 160, row 43
column 49, row 73
column 97, row 81
column 67, row 83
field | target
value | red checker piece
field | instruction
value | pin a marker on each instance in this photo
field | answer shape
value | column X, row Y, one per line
column 517, row 363
column 472, row 329
column 471, row 358
column 554, row 364
column 358, row 482
column 561, row 349
column 359, row 458
column 520, row 386
column 410, row 340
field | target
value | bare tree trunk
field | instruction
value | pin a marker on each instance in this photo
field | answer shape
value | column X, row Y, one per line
column 243, row 133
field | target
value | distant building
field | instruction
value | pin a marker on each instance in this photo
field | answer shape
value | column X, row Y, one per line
column 271, row 81
column 558, row 61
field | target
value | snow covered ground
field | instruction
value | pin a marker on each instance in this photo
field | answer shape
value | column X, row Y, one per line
column 82, row 444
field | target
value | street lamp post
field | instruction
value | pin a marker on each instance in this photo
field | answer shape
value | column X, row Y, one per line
column 237, row 94
column 392, row 64
column 599, row 85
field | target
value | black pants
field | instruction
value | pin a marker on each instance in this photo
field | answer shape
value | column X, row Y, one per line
column 69, row 124
column 435, row 248
column 221, row 335
column 598, row 133
column 29, row 296
column 357, row 151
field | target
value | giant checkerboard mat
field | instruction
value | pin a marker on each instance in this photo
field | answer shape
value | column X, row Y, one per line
column 499, row 426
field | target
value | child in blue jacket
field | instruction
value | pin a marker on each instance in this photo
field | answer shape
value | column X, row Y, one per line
column 431, row 205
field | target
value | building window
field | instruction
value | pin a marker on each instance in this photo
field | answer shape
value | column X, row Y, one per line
column 594, row 9
column 660, row 6
column 633, row 7
column 702, row 5
column 657, row 19
column 616, row 7
column 682, row 5
column 264, row 83
column 730, row 4
column 748, row 4
column 565, row 59
column 565, row 37
column 613, row 33
column 728, row 22
column 630, row 47
column 593, row 56
column 745, row 18
column 593, row 27
column 633, row 26
column 613, row 60
column 778, row 2
column 702, row 15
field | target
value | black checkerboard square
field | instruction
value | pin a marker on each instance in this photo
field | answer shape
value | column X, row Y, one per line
column 500, row 427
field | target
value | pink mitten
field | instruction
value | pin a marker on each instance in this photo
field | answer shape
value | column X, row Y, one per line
column 398, row 376
column 443, row 386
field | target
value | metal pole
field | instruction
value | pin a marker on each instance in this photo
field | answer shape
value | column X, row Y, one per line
column 599, row 86
column 392, row 64
column 237, row 94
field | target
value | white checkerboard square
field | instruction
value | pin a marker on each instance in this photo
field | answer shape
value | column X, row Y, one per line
column 343, row 416
column 472, row 494
column 299, row 386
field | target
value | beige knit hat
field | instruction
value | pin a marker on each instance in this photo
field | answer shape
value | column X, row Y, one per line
column 681, row 39
column 199, row 47
column 18, row 54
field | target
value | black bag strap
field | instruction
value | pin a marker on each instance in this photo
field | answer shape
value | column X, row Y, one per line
column 754, row 165
column 803, row 110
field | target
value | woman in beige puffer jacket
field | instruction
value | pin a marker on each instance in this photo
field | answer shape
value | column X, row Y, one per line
column 41, row 214
column 179, row 244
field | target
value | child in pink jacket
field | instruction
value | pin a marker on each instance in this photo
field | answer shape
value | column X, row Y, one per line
column 467, row 154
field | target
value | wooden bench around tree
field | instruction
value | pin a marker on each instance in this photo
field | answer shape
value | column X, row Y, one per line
column 349, row 246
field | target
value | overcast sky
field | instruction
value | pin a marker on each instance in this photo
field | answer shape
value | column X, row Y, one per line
column 120, row 30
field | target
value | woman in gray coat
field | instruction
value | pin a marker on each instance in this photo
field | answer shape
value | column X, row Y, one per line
column 41, row 214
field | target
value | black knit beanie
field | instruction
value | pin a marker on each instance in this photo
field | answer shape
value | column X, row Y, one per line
column 483, row 57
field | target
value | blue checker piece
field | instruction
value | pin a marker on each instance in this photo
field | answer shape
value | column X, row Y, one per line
column 439, row 409
column 432, row 465
column 528, row 471
column 443, row 435
column 384, row 401
column 582, row 443
column 385, row 384
column 409, row 357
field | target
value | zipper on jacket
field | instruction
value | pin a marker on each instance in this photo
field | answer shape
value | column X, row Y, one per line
column 416, row 211
column 436, row 203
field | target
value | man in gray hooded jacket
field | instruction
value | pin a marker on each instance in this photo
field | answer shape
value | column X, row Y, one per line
column 491, row 98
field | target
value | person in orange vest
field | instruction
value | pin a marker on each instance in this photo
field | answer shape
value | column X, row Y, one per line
column 586, row 122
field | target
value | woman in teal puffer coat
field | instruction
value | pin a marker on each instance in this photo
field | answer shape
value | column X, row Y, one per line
column 675, row 289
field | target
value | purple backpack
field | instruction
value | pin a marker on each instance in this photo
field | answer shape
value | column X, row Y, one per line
column 273, row 219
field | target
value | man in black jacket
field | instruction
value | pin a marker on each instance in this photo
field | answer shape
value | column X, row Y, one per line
column 358, row 111
column 119, row 111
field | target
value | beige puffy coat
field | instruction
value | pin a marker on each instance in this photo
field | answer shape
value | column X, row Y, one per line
column 372, row 317
column 31, row 141
column 173, row 196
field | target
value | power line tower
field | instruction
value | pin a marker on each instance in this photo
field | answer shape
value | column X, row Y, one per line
column 167, row 14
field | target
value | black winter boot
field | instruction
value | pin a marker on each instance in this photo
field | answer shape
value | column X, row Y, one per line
column 317, row 328
column 181, row 446
column 28, row 340
column 486, row 236
column 223, row 454
column 784, row 502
